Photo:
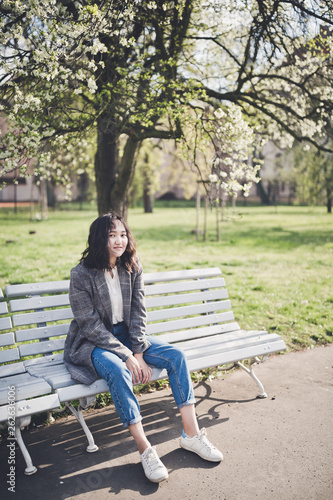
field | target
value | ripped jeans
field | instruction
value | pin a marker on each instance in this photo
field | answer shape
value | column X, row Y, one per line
column 161, row 355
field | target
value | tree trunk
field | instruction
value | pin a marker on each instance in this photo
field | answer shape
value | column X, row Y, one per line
column 106, row 163
column 147, row 188
column 119, row 198
column 147, row 201
column 264, row 197
column 43, row 199
column 329, row 196
column 113, row 175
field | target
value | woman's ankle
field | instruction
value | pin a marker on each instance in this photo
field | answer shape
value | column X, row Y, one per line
column 137, row 432
column 142, row 448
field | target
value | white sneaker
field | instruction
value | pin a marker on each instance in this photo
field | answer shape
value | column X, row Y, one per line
column 200, row 445
column 152, row 466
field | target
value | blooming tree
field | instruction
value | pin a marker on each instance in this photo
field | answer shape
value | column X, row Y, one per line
column 235, row 139
column 131, row 70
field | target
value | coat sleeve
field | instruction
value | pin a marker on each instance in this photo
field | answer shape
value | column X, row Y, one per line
column 88, row 318
column 138, row 319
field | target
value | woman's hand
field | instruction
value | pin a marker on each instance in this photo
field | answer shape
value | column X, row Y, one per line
column 145, row 369
column 141, row 372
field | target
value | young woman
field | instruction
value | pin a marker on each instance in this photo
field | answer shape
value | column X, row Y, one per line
column 107, row 339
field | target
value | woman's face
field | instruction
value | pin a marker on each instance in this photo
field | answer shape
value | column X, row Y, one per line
column 117, row 241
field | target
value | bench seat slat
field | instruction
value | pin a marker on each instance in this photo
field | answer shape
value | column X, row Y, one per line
column 25, row 407
column 184, row 286
column 42, row 316
column 239, row 354
column 181, row 275
column 181, row 324
column 78, row 391
column 26, row 387
column 207, row 345
column 184, row 298
column 41, row 347
column 81, row 390
column 176, row 312
column 39, row 302
column 57, row 376
column 41, row 332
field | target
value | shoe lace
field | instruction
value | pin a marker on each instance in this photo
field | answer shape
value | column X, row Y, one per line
column 204, row 440
column 152, row 458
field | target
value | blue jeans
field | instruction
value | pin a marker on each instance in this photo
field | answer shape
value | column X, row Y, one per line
column 160, row 354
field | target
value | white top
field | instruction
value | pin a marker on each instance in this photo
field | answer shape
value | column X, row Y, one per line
column 115, row 296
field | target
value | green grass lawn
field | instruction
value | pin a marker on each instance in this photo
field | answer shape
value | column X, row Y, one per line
column 278, row 263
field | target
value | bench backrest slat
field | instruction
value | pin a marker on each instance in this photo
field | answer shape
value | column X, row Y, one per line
column 184, row 286
column 181, row 275
column 41, row 332
column 38, row 302
column 9, row 355
column 7, row 339
column 42, row 347
column 180, row 324
column 194, row 333
column 183, row 298
column 42, row 316
column 51, row 359
column 36, row 288
column 3, row 308
column 5, row 324
column 12, row 369
column 177, row 312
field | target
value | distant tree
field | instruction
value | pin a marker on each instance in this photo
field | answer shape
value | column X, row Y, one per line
column 312, row 174
column 147, row 178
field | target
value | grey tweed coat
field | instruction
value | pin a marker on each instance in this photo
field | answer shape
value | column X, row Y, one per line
column 92, row 324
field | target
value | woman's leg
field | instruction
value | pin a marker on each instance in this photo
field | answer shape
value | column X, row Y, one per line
column 189, row 419
column 112, row 369
column 163, row 355
column 166, row 356
column 169, row 357
column 137, row 432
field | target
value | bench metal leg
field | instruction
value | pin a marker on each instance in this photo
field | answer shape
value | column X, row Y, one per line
column 30, row 468
column 92, row 447
column 262, row 394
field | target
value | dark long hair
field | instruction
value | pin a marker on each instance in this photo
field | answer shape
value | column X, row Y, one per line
column 97, row 253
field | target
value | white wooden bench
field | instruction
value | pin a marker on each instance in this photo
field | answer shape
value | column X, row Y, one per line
column 189, row 308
